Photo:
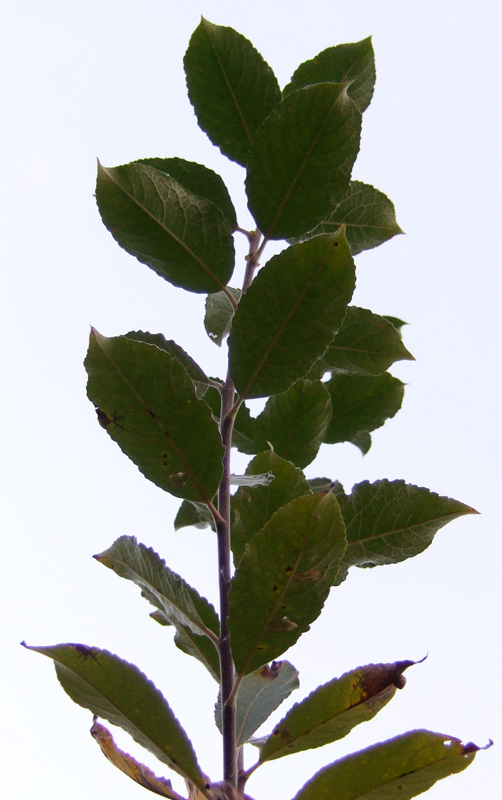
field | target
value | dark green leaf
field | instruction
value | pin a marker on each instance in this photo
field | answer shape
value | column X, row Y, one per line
column 361, row 403
column 400, row 768
column 199, row 378
column 283, row 579
column 230, row 86
column 117, row 691
column 193, row 514
column 147, row 403
column 332, row 710
column 345, row 63
column 289, row 315
column 219, row 314
column 368, row 215
column 390, row 521
column 259, row 695
column 302, row 158
column 180, row 603
column 253, row 506
column 199, row 180
column 295, row 422
column 182, row 237
column 366, row 344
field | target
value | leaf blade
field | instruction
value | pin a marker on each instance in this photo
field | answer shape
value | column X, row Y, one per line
column 301, row 160
column 402, row 767
column 297, row 553
column 230, row 86
column 117, row 691
column 289, row 315
column 182, row 237
column 331, row 711
column 148, row 405
column 259, row 694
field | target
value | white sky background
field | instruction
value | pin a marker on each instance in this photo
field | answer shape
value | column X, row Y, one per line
column 105, row 79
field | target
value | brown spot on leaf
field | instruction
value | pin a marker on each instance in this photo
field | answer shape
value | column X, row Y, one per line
column 308, row 575
column 285, row 625
column 271, row 671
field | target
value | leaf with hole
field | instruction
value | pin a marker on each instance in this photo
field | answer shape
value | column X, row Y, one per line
column 398, row 769
column 296, row 556
column 147, row 403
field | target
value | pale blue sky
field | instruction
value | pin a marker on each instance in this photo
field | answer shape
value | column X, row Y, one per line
column 105, row 79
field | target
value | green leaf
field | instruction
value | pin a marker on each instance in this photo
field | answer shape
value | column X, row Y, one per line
column 198, row 376
column 402, row 767
column 258, row 696
column 191, row 513
column 368, row 215
column 147, row 402
column 317, row 485
column 361, row 403
column 398, row 323
column 345, row 63
column 296, row 556
column 362, row 441
column 390, row 521
column 302, row 158
column 295, row 422
column 117, row 691
column 244, row 424
column 252, row 507
column 332, row 710
column 366, row 344
column 230, row 86
column 182, row 237
column 182, row 605
column 289, row 315
column 199, row 180
column 219, row 314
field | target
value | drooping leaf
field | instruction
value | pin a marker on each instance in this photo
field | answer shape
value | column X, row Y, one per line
column 362, row 441
column 191, row 513
column 258, row 696
column 289, row 315
column 147, row 402
column 219, row 314
column 182, row 605
column 129, row 766
column 295, row 421
column 302, row 158
column 400, row 768
column 182, row 237
column 199, row 647
column 230, row 86
column 366, row 344
column 368, row 215
column 199, row 180
column 199, row 378
column 361, row 403
column 332, row 710
column 390, row 521
column 296, row 554
column 253, row 507
column 117, row 691
column 352, row 63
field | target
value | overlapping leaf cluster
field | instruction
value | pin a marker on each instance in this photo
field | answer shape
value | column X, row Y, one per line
column 295, row 339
